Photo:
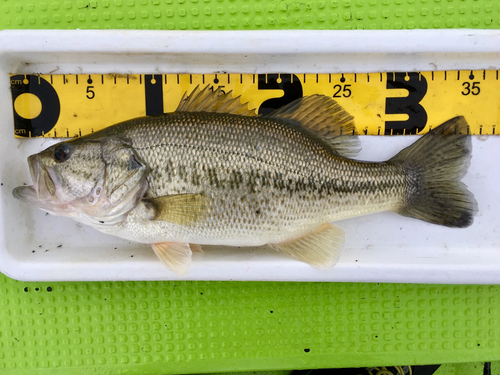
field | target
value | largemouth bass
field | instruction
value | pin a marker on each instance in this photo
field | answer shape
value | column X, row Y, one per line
column 215, row 173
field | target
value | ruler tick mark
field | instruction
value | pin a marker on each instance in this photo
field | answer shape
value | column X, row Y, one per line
column 355, row 78
column 52, row 81
column 190, row 79
column 432, row 75
column 458, row 75
column 102, row 79
column 76, row 79
column 368, row 80
column 177, row 79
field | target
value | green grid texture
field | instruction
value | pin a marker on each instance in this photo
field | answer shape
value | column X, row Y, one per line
column 199, row 327
column 249, row 14
column 195, row 327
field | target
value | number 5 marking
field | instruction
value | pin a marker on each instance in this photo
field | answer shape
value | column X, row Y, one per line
column 90, row 93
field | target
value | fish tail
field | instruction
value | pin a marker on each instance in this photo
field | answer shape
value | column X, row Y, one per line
column 434, row 166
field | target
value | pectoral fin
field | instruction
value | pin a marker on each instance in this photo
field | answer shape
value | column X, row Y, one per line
column 183, row 209
column 321, row 248
column 175, row 256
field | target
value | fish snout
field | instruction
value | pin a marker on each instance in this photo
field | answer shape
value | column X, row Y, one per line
column 42, row 181
column 34, row 165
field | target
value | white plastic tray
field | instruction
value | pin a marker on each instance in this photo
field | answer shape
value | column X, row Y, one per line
column 382, row 247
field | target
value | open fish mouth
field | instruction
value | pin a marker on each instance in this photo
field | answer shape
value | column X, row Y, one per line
column 43, row 188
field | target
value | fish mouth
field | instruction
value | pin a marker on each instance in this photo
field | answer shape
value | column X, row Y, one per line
column 43, row 188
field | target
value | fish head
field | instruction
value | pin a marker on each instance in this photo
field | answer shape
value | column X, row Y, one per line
column 92, row 180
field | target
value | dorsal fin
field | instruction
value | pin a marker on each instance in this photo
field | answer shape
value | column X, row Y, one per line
column 324, row 119
column 207, row 100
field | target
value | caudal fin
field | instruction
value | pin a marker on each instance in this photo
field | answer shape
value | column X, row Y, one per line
column 435, row 164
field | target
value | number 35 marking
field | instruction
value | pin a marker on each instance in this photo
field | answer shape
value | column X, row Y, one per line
column 474, row 90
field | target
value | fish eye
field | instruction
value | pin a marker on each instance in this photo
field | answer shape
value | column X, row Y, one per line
column 61, row 153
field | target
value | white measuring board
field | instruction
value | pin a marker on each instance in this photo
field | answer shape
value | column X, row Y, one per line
column 381, row 247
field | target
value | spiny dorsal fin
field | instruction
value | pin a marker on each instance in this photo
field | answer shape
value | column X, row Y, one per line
column 323, row 118
column 183, row 209
column 209, row 100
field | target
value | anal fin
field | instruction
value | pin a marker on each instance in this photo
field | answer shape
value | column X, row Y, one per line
column 320, row 248
column 174, row 255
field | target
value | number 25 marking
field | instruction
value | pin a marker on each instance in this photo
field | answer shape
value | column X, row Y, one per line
column 346, row 91
column 475, row 90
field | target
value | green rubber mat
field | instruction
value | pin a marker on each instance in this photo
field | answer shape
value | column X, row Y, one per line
column 200, row 327
column 196, row 327
column 249, row 15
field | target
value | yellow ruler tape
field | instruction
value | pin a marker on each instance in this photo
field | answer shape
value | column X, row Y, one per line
column 381, row 103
